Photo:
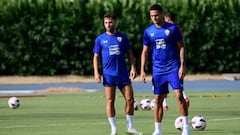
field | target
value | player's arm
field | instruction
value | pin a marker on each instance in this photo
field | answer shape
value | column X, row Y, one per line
column 144, row 56
column 182, row 68
column 97, row 76
column 133, row 72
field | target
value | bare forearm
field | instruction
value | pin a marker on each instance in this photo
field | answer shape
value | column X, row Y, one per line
column 182, row 56
column 95, row 64
column 97, row 76
column 131, row 59
column 182, row 68
column 133, row 72
column 143, row 61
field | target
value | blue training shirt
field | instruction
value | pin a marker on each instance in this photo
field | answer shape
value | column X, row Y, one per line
column 113, row 49
column 163, row 44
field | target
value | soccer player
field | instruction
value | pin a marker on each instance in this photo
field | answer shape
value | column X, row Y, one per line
column 167, row 48
column 170, row 17
column 112, row 47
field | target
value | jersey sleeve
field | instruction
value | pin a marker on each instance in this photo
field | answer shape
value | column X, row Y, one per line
column 97, row 46
column 178, row 34
column 146, row 40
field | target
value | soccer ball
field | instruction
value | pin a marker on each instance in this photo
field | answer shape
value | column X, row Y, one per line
column 179, row 123
column 136, row 104
column 13, row 102
column 152, row 104
column 145, row 104
column 199, row 122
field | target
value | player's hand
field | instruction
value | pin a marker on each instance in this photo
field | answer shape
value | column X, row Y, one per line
column 143, row 77
column 181, row 72
column 97, row 78
column 133, row 73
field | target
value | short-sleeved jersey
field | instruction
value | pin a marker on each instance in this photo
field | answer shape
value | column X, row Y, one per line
column 163, row 44
column 113, row 49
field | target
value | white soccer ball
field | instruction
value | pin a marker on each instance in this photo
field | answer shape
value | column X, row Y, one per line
column 13, row 102
column 179, row 123
column 136, row 104
column 145, row 104
column 152, row 104
column 198, row 122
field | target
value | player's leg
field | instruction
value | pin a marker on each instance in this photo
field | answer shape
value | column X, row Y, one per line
column 110, row 92
column 183, row 109
column 186, row 98
column 159, row 92
column 158, row 113
column 110, row 108
column 177, row 86
column 110, row 99
column 165, row 105
column 127, row 92
column 181, row 102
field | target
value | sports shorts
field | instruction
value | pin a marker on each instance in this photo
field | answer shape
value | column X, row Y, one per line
column 161, row 82
column 119, row 81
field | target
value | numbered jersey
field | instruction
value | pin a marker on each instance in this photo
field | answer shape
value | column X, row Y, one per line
column 163, row 44
column 113, row 49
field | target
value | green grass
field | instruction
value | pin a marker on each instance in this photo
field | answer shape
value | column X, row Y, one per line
column 84, row 114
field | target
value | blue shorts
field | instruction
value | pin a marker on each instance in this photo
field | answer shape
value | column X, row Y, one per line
column 161, row 82
column 119, row 81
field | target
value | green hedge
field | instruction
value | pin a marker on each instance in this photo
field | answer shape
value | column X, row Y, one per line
column 56, row 37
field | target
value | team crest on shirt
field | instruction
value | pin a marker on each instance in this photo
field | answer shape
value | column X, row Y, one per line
column 167, row 32
column 119, row 39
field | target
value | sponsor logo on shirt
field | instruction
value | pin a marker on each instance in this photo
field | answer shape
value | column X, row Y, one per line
column 152, row 34
column 114, row 50
column 105, row 41
column 160, row 44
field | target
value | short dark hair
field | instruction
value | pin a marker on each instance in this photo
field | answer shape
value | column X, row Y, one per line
column 171, row 15
column 156, row 7
column 110, row 15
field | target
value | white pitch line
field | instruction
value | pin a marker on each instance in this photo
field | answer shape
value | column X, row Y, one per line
column 94, row 123
column 59, row 124
column 29, row 126
column 224, row 119
column 16, row 91
column 51, row 125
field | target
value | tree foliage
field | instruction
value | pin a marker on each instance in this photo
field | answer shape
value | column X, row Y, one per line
column 56, row 37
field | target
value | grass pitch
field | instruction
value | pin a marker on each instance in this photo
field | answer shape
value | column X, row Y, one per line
column 84, row 114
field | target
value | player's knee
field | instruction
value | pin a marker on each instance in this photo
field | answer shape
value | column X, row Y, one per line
column 130, row 100
column 180, row 98
column 110, row 101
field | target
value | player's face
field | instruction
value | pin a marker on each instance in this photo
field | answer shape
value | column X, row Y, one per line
column 109, row 25
column 167, row 19
column 156, row 16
